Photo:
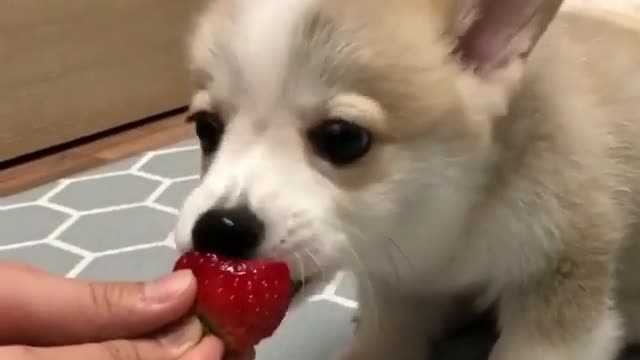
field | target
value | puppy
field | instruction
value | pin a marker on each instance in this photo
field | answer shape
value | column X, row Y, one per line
column 455, row 155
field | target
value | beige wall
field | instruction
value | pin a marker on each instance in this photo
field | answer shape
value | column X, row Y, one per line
column 76, row 67
column 70, row 68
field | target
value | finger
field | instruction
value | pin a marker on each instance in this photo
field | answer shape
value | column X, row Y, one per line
column 209, row 348
column 171, row 346
column 33, row 303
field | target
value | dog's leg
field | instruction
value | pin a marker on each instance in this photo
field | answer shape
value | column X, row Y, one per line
column 564, row 315
column 394, row 326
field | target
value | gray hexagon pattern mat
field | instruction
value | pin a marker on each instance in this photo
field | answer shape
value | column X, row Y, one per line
column 113, row 223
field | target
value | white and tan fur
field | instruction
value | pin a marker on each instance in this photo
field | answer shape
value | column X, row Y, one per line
column 515, row 186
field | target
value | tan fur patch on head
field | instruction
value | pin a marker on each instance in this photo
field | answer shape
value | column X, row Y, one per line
column 395, row 53
column 456, row 15
column 380, row 74
column 399, row 55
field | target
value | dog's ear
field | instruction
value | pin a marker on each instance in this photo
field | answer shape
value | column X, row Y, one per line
column 491, row 34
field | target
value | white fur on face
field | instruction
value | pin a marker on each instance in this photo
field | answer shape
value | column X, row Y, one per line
column 266, row 171
column 262, row 42
column 261, row 160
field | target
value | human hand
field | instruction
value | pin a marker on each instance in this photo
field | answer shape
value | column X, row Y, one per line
column 43, row 317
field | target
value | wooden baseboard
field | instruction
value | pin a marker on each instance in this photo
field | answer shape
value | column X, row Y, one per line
column 48, row 165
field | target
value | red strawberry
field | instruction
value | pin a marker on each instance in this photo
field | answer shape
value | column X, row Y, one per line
column 240, row 301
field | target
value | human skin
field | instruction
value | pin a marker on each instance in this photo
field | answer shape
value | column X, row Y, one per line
column 49, row 318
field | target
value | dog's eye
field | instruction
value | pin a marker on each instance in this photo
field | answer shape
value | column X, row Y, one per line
column 209, row 128
column 339, row 141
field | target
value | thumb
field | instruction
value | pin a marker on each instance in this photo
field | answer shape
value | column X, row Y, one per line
column 40, row 309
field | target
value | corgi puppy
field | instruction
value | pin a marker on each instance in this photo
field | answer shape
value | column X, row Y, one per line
column 456, row 155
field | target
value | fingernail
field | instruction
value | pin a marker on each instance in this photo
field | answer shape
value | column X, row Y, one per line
column 164, row 289
column 184, row 336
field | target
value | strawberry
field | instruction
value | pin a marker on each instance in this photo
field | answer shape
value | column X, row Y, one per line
column 240, row 301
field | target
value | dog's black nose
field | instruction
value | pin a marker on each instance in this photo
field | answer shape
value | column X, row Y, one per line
column 229, row 232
